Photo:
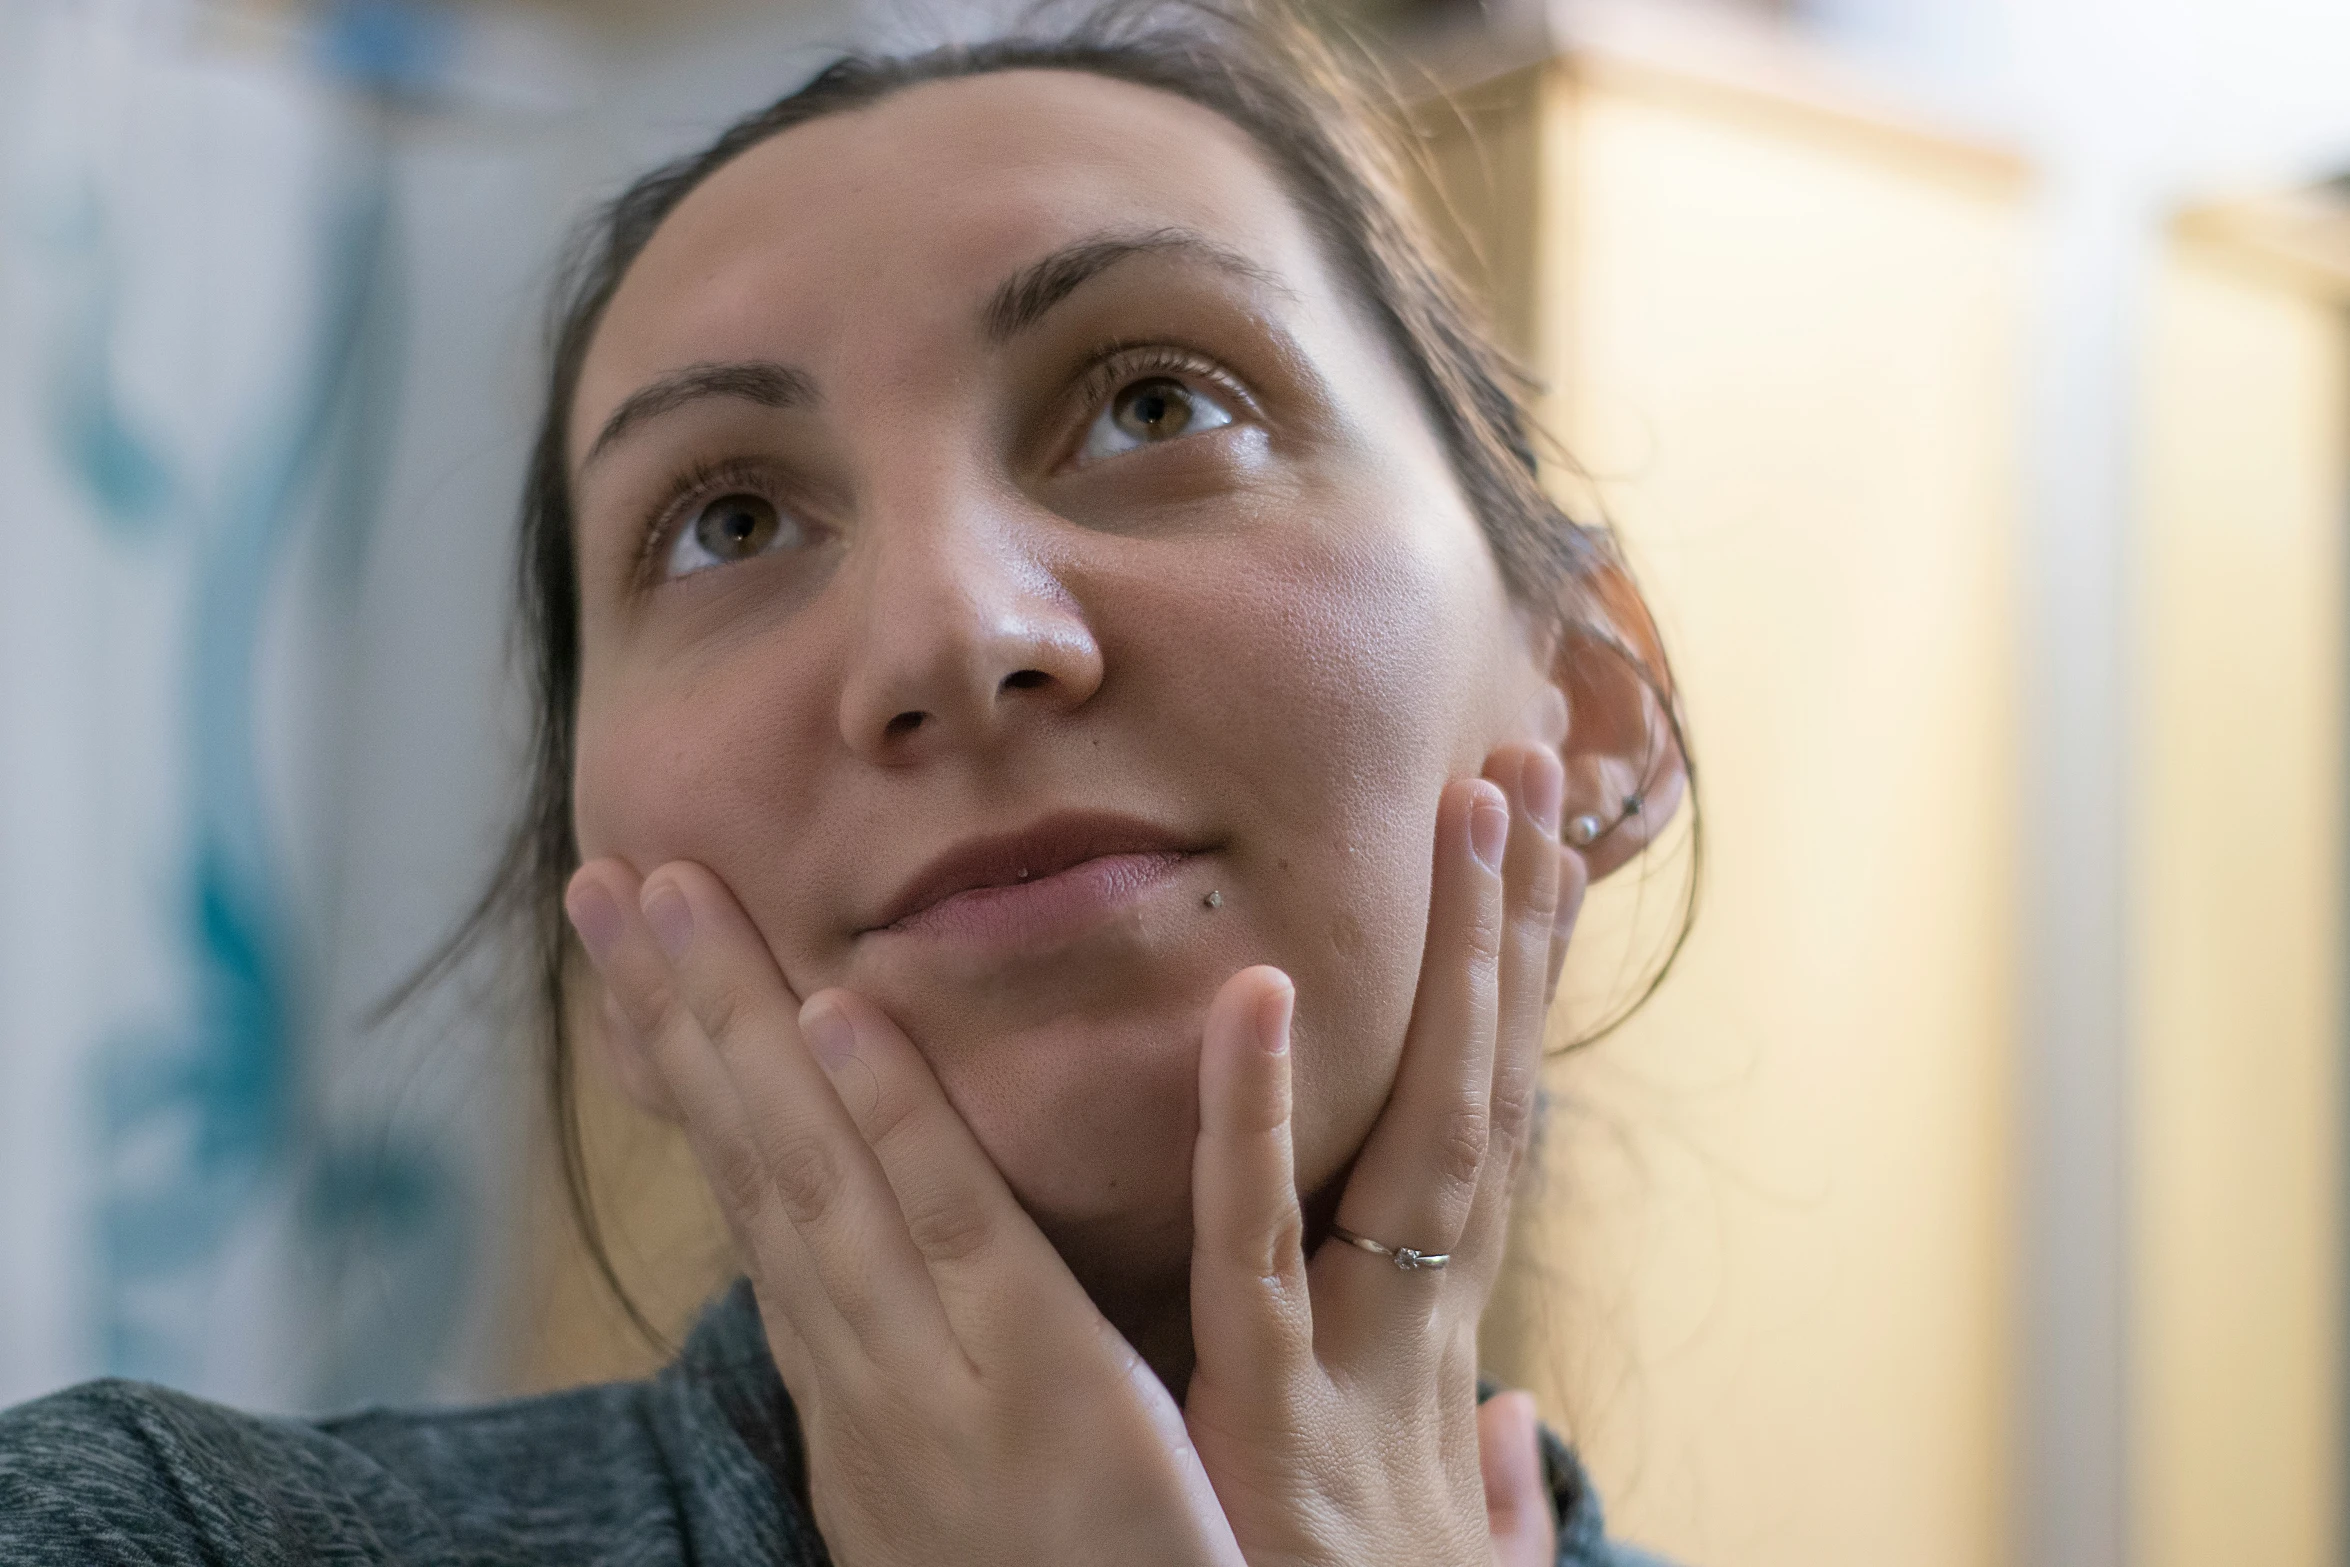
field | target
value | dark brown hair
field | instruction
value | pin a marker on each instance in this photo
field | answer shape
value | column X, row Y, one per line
column 1312, row 120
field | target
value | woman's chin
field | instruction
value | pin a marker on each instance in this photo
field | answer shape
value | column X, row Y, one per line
column 1113, row 1197
column 1097, row 1150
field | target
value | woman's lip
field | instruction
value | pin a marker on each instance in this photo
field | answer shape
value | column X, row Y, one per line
column 1040, row 852
column 1037, row 910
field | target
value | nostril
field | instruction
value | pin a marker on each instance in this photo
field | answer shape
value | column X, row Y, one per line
column 1026, row 679
column 903, row 725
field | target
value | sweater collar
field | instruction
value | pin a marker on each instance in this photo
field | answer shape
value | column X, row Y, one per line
column 737, row 1450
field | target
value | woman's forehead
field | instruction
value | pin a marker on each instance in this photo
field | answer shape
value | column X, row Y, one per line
column 904, row 216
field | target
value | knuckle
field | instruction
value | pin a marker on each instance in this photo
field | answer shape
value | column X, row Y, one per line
column 1262, row 1122
column 890, row 1121
column 1266, row 1247
column 1542, row 898
column 655, row 1004
column 1461, row 1144
column 947, row 1226
column 1483, row 937
column 806, row 1179
column 1513, row 1105
column 720, row 1012
column 1285, row 1255
column 1277, row 1303
column 739, row 1181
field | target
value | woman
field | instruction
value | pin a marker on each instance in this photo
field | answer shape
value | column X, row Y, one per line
column 1023, row 550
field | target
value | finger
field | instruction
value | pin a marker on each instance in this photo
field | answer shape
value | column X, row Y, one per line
column 1250, row 1320
column 1574, row 882
column 1000, row 1282
column 1517, row 1497
column 1416, row 1178
column 1535, row 784
column 626, row 1056
column 802, row 1167
column 602, row 904
column 793, row 1362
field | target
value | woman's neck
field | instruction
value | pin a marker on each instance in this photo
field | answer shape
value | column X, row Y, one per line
column 1160, row 1331
column 1154, row 1315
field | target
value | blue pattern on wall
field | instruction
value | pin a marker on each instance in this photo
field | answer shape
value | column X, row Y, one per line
column 206, row 1125
column 94, row 435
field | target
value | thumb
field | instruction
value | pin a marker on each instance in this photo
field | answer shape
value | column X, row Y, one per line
column 1517, row 1501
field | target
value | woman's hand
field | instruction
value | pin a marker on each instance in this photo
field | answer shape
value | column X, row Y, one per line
column 1334, row 1400
column 962, row 1397
column 1518, row 1508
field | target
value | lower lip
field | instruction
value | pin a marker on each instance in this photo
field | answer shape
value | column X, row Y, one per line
column 1031, row 913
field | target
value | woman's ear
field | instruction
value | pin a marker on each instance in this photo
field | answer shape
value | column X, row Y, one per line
column 1626, row 773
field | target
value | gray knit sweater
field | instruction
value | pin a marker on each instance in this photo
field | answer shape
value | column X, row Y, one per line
column 700, row 1464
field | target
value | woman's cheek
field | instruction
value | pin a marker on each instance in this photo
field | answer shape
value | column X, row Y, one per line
column 686, row 775
column 608, row 810
column 1357, row 750
column 638, row 788
column 1356, row 974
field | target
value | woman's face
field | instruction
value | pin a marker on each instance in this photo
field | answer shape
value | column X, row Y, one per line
column 1013, row 563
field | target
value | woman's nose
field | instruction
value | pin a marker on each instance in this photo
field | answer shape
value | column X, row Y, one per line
column 966, row 635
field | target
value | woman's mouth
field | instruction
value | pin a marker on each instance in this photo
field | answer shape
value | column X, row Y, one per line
column 1050, row 881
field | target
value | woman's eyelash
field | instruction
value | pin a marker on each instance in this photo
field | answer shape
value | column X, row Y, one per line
column 1114, row 365
column 700, row 482
column 1111, row 367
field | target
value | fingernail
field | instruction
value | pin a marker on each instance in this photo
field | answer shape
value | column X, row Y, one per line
column 1545, row 782
column 830, row 1035
column 670, row 916
column 596, row 917
column 1273, row 1017
column 1489, row 827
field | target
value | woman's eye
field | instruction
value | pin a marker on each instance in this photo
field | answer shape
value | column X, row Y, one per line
column 1148, row 413
column 732, row 528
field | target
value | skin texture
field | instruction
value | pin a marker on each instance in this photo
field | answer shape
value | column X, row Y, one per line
column 985, row 1191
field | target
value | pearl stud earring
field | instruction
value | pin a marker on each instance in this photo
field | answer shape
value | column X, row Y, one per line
column 1584, row 831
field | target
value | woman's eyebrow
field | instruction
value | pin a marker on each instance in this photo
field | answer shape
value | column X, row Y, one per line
column 1017, row 304
column 760, row 381
column 1022, row 299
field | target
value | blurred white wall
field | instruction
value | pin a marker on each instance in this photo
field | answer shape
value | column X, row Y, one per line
column 2193, row 92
